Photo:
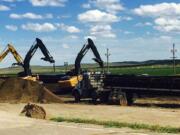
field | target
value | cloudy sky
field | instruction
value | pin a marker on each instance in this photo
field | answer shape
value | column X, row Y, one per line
column 132, row 29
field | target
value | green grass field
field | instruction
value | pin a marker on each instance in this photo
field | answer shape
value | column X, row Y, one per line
column 159, row 70
column 150, row 70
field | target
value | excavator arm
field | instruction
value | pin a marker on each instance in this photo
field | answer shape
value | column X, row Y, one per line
column 47, row 57
column 3, row 54
column 16, row 55
column 74, row 76
column 90, row 45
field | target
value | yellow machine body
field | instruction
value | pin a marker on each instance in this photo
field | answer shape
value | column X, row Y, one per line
column 70, row 83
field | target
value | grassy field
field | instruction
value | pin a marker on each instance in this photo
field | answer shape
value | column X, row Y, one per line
column 161, row 70
column 150, row 70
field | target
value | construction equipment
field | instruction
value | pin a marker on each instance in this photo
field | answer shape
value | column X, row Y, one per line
column 82, row 53
column 10, row 49
column 76, row 76
column 26, row 63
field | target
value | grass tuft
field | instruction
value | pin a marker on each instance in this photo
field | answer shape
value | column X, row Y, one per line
column 115, row 124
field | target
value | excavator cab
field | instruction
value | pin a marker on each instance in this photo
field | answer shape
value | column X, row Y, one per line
column 79, row 80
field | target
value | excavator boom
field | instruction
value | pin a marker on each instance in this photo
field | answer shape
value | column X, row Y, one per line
column 16, row 55
column 75, row 75
column 39, row 44
column 82, row 53
column 3, row 55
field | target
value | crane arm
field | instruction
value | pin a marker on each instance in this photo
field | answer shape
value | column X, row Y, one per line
column 39, row 44
column 82, row 53
column 11, row 49
column 4, row 54
column 45, row 51
column 16, row 55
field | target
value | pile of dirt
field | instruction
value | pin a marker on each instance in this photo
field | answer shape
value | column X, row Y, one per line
column 34, row 111
column 17, row 90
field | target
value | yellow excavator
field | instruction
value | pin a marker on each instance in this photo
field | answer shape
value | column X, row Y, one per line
column 75, row 76
column 27, row 74
column 11, row 49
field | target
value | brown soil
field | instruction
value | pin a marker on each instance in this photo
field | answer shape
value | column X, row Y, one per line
column 17, row 90
column 34, row 111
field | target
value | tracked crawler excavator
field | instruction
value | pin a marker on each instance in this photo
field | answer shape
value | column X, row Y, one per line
column 76, row 77
column 10, row 49
column 27, row 74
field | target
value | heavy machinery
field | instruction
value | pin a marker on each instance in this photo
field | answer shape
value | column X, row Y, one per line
column 26, row 63
column 10, row 49
column 90, row 45
column 78, row 79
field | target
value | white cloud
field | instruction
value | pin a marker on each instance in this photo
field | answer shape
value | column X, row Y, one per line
column 168, row 38
column 73, row 36
column 128, row 32
column 126, row 18
column 167, row 24
column 97, row 16
column 111, row 6
column 65, row 46
column 91, row 37
column 143, row 24
column 166, row 15
column 11, row 27
column 45, row 27
column 60, row 3
column 9, row 0
column 12, row 0
column 63, row 16
column 102, row 31
column 86, row 5
column 157, row 10
column 48, row 16
column 70, row 29
column 29, row 16
column 4, row 8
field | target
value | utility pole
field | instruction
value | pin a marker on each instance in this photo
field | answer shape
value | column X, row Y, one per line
column 54, row 67
column 107, row 56
column 173, row 50
column 66, row 66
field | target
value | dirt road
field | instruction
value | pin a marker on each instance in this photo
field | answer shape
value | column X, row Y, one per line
column 12, row 123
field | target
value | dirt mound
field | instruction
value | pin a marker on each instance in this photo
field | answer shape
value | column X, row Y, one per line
column 22, row 91
column 34, row 111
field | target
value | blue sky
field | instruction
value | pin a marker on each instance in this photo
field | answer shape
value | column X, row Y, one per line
column 132, row 30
